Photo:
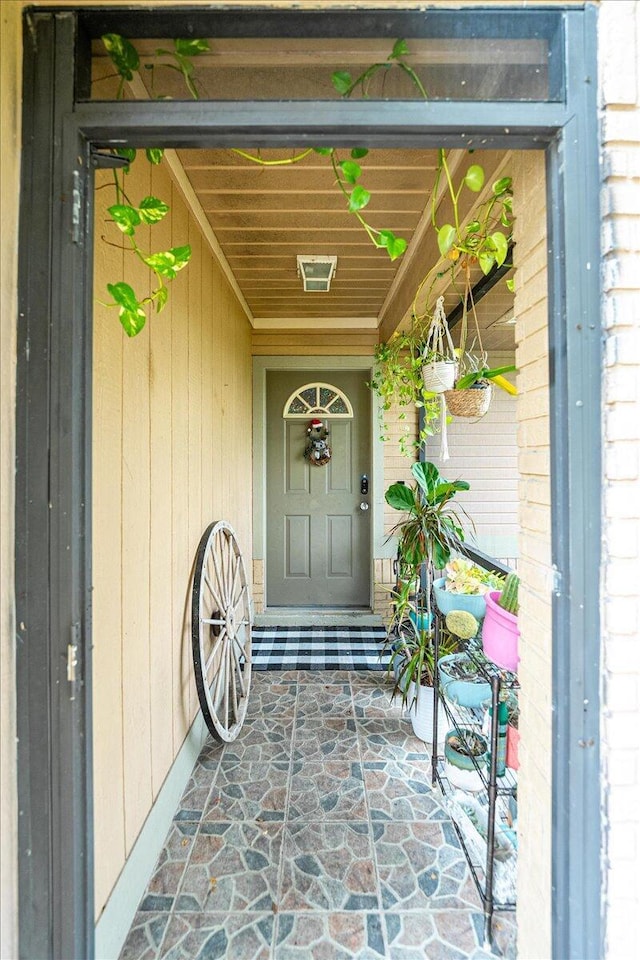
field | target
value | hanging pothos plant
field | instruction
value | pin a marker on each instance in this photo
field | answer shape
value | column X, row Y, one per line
column 127, row 215
column 485, row 240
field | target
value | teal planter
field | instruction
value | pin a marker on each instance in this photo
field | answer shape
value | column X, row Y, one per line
column 464, row 693
column 421, row 621
column 473, row 603
column 463, row 771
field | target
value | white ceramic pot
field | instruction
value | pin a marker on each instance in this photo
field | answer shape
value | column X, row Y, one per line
column 439, row 375
column 421, row 714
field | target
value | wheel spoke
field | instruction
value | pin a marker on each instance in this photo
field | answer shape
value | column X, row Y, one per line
column 230, row 556
column 225, row 691
column 216, row 598
column 237, row 662
column 235, row 582
column 214, row 650
column 220, row 581
column 241, row 597
column 232, row 677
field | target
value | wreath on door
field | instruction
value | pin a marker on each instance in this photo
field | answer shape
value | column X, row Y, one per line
column 317, row 450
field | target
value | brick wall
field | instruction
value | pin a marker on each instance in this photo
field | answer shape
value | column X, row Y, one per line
column 619, row 56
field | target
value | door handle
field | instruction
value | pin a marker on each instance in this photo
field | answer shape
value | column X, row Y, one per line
column 364, row 505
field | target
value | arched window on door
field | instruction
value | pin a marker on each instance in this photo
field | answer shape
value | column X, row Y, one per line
column 317, row 399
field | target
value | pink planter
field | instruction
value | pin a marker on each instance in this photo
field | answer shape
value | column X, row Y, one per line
column 500, row 634
column 513, row 739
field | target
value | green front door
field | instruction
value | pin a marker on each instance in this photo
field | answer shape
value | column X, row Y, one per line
column 318, row 534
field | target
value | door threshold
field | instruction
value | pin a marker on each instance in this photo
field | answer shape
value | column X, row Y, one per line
column 322, row 616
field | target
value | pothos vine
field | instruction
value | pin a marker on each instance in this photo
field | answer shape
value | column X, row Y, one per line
column 459, row 243
column 164, row 265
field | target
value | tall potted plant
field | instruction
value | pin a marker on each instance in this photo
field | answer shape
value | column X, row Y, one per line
column 429, row 532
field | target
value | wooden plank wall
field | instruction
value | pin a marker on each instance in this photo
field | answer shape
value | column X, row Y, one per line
column 172, row 451
column 485, row 453
column 315, row 342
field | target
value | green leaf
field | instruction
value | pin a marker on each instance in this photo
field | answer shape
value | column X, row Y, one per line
column 395, row 246
column 323, row 151
column 191, row 47
column 473, row 227
column 511, row 284
column 446, row 238
column 127, row 152
column 133, row 321
column 501, row 245
column 152, row 210
column 400, row 49
column 350, row 170
column 486, row 261
column 501, row 186
column 127, row 218
column 154, row 155
column 441, row 555
column 132, row 315
column 400, row 497
column 358, row 199
column 341, row 81
column 123, row 54
column 359, row 152
column 169, row 262
column 427, row 476
column 123, row 295
column 499, row 371
column 467, row 381
column 161, row 295
column 474, row 178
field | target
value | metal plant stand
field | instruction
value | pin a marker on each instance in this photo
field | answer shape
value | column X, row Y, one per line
column 221, row 620
column 497, row 790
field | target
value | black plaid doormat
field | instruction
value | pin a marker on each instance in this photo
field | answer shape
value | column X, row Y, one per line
column 319, row 648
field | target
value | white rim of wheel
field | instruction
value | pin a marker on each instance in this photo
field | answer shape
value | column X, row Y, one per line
column 221, row 631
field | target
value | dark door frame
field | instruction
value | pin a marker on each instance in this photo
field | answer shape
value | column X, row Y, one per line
column 53, row 484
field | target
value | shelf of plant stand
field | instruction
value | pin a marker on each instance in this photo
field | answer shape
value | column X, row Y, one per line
column 463, row 717
column 503, row 825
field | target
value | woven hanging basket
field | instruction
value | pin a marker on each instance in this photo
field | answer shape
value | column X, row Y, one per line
column 439, row 375
column 469, row 403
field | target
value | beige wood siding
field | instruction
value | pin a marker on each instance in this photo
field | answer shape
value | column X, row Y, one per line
column 534, row 565
column 172, row 451
column 485, row 453
column 319, row 342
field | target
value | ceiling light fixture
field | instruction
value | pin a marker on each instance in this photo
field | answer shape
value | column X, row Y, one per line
column 316, row 272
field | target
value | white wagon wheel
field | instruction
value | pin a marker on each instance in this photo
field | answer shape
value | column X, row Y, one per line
column 221, row 631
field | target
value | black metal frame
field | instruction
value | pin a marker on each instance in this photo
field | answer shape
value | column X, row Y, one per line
column 53, row 548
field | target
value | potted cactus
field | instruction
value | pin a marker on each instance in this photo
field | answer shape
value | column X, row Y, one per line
column 500, row 628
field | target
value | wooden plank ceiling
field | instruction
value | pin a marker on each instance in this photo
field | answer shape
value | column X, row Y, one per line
column 263, row 216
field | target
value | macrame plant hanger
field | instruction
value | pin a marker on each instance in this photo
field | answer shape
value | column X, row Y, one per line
column 439, row 341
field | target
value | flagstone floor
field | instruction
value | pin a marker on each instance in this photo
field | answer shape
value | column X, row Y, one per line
column 316, row 835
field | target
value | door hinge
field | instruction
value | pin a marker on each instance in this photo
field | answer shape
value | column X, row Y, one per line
column 72, row 659
column 76, row 208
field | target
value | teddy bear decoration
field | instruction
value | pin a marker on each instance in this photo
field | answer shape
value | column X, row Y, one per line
column 317, row 450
